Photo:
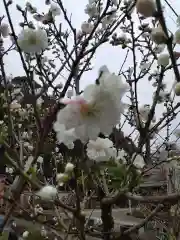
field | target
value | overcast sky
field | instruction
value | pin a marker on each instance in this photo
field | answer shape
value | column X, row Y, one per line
column 106, row 55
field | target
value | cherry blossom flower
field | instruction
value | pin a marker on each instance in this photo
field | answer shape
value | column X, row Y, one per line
column 100, row 150
column 69, row 168
column 92, row 10
column 48, row 192
column 33, row 41
column 55, row 10
column 86, row 113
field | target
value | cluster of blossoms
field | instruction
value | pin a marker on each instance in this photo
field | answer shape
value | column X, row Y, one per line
column 97, row 111
column 49, row 192
column 147, row 8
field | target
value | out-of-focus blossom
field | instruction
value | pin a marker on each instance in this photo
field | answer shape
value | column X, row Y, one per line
column 69, row 168
column 146, row 8
column 33, row 40
column 55, row 10
column 86, row 113
column 48, row 192
column 87, row 27
column 100, row 150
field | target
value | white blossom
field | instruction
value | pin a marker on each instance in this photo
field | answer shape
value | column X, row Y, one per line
column 65, row 136
column 40, row 159
column 4, row 30
column 33, row 41
column 86, row 114
column 62, row 177
column 9, row 170
column 138, row 161
column 87, row 27
column 108, row 20
column 100, row 149
column 121, row 156
column 146, row 8
column 92, row 10
column 69, row 168
column 25, row 234
column 55, row 10
column 47, row 192
column 163, row 59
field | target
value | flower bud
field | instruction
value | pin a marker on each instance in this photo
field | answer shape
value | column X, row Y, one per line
column 69, row 167
column 163, row 60
column 62, row 177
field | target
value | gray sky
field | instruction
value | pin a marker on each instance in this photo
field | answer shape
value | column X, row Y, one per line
column 107, row 55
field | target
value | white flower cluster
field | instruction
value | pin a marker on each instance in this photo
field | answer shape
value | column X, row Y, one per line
column 97, row 111
column 101, row 149
column 136, row 159
column 48, row 192
column 33, row 40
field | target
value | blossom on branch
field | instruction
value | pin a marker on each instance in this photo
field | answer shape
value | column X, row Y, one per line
column 97, row 111
column 47, row 192
column 33, row 40
column 100, row 150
